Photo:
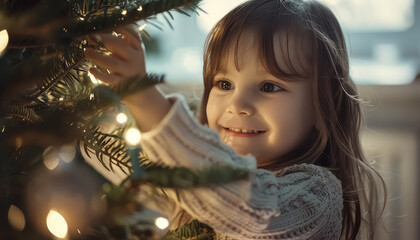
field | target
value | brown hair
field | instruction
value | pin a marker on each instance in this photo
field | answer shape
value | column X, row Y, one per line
column 335, row 142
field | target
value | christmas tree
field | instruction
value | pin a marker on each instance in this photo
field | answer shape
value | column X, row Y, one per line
column 54, row 116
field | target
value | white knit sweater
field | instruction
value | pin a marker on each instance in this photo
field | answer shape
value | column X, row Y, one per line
column 298, row 202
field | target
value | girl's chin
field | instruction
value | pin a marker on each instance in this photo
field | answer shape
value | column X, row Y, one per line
column 242, row 148
column 241, row 151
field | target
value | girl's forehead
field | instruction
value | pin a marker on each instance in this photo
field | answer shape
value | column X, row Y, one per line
column 291, row 51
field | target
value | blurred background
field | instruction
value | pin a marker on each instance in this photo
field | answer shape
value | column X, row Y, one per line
column 383, row 37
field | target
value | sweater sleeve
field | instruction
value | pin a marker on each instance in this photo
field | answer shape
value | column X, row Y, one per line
column 302, row 201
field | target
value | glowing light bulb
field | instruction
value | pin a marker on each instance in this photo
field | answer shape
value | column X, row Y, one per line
column 140, row 8
column 56, row 224
column 124, row 12
column 4, row 40
column 161, row 222
column 121, row 118
column 16, row 218
column 133, row 136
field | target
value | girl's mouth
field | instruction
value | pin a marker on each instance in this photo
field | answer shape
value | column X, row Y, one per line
column 239, row 132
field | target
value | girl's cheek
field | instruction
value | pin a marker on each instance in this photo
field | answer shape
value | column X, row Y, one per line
column 214, row 109
column 209, row 108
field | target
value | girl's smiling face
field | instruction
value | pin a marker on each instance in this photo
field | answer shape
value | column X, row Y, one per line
column 255, row 112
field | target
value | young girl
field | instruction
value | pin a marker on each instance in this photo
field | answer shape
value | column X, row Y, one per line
column 278, row 101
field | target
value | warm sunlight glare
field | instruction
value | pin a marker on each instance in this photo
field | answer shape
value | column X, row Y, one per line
column 56, row 224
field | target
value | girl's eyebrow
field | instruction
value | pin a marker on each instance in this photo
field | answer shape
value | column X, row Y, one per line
column 269, row 76
column 263, row 75
column 222, row 72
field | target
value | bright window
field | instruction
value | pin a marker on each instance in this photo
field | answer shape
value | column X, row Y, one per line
column 216, row 9
column 373, row 15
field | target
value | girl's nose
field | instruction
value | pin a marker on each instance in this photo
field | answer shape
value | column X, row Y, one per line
column 241, row 104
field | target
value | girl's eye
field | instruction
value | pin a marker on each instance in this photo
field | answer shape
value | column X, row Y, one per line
column 223, row 85
column 270, row 87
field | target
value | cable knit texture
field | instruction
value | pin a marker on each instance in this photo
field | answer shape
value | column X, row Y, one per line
column 298, row 202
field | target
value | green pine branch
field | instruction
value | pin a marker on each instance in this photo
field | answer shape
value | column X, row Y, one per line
column 56, row 71
column 36, row 22
column 192, row 230
column 62, row 73
column 183, row 178
column 64, row 121
column 110, row 145
column 80, row 18
column 94, row 18
column 46, row 89
column 23, row 113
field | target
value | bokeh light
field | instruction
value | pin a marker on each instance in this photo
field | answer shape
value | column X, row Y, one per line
column 161, row 222
column 56, row 224
column 16, row 218
column 133, row 136
column 50, row 158
column 67, row 153
column 4, row 40
column 121, row 118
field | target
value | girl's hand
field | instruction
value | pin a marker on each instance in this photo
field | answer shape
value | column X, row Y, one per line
column 126, row 59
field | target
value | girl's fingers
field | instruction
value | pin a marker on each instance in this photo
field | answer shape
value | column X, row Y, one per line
column 124, row 47
column 131, row 36
column 127, row 58
column 109, row 62
column 118, row 46
column 94, row 39
column 112, row 79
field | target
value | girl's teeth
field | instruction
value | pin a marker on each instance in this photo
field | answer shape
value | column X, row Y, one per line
column 242, row 130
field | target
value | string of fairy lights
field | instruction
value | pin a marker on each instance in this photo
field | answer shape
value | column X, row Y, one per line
column 132, row 135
